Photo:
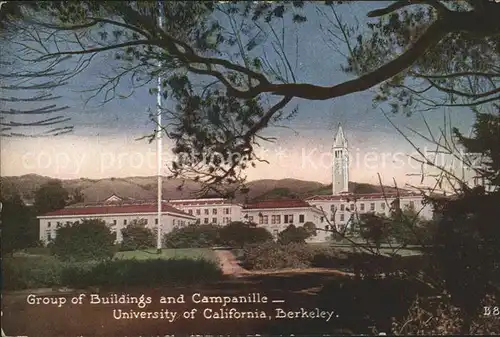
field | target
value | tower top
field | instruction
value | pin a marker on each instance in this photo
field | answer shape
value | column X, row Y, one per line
column 340, row 140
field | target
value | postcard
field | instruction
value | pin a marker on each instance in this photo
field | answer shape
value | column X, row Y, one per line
column 249, row 168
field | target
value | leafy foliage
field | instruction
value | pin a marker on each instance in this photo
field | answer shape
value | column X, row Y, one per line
column 237, row 234
column 272, row 255
column 462, row 66
column 214, row 63
column 137, row 236
column 19, row 228
column 374, row 228
column 21, row 273
column 90, row 239
column 440, row 317
column 148, row 272
column 484, row 147
column 234, row 234
column 409, row 228
column 295, row 234
column 50, row 197
column 192, row 236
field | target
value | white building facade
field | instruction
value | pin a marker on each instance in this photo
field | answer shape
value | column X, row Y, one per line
column 337, row 209
column 277, row 215
column 116, row 216
column 218, row 211
column 340, row 210
column 341, row 207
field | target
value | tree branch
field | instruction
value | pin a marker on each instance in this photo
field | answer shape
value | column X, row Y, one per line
column 97, row 50
column 439, row 7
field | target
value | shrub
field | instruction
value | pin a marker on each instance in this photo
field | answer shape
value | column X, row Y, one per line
column 294, row 234
column 192, row 236
column 429, row 316
column 328, row 257
column 144, row 273
column 137, row 236
column 87, row 240
column 238, row 234
column 42, row 272
column 272, row 255
column 31, row 272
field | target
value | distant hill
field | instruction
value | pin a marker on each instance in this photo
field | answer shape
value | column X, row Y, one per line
column 142, row 188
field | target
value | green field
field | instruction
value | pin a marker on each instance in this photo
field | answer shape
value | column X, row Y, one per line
column 190, row 253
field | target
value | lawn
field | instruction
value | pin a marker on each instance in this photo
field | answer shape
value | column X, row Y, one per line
column 170, row 253
column 190, row 253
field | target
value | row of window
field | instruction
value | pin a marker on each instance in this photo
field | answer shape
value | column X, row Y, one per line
column 206, row 211
column 214, row 220
column 58, row 224
column 276, row 219
column 178, row 222
column 181, row 222
column 351, row 207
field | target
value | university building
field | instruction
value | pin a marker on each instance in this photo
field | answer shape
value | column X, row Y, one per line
column 338, row 209
column 341, row 207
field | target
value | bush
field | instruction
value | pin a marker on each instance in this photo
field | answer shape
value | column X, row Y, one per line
column 145, row 273
column 440, row 317
column 272, row 255
column 86, row 240
column 238, row 234
column 327, row 257
column 137, row 236
column 192, row 236
column 42, row 272
column 294, row 234
column 31, row 272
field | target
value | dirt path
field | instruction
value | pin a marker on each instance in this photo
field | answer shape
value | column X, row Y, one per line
column 229, row 263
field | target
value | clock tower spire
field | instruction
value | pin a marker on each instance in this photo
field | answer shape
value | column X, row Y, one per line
column 340, row 174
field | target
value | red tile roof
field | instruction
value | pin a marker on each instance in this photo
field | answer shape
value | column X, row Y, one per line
column 283, row 203
column 361, row 196
column 201, row 202
column 118, row 209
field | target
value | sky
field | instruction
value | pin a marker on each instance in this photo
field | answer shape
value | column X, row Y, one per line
column 104, row 141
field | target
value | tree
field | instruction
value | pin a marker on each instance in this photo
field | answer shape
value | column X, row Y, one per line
column 192, row 236
column 409, row 228
column 137, row 236
column 50, row 196
column 76, row 196
column 19, row 228
column 90, row 239
column 29, row 106
column 227, row 92
column 310, row 227
column 374, row 228
column 293, row 234
column 467, row 240
column 238, row 234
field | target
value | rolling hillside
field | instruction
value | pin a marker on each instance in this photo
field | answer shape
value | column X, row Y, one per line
column 95, row 190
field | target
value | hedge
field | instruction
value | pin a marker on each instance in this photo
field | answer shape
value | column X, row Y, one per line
column 44, row 272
